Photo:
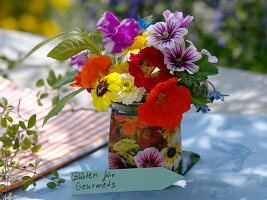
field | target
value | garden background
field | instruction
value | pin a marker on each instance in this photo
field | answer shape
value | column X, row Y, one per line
column 235, row 30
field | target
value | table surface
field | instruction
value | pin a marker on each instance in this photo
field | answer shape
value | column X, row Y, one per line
column 233, row 163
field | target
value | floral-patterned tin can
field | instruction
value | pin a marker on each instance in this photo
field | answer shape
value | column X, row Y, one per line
column 132, row 143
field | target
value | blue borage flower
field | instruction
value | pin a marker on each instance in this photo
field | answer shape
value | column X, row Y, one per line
column 204, row 109
column 216, row 95
column 143, row 25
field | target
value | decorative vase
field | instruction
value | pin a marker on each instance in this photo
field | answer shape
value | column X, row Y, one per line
column 132, row 143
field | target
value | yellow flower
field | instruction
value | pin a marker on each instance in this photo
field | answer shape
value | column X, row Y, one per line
column 50, row 27
column 168, row 134
column 29, row 22
column 119, row 68
column 130, row 93
column 140, row 42
column 61, row 4
column 9, row 23
column 172, row 153
column 125, row 145
column 129, row 158
column 106, row 90
column 36, row 7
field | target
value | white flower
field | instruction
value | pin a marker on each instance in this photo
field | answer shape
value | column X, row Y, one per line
column 130, row 93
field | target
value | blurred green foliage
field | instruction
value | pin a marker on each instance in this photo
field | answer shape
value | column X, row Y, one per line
column 233, row 30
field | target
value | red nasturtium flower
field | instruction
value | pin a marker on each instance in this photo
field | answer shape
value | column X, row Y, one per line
column 148, row 68
column 130, row 125
column 95, row 68
column 165, row 104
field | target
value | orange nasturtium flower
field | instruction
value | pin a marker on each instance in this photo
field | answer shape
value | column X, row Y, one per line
column 130, row 125
column 165, row 104
column 94, row 69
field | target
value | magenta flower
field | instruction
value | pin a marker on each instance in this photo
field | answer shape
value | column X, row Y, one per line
column 150, row 157
column 116, row 162
column 181, row 59
column 107, row 23
column 168, row 15
column 78, row 61
column 165, row 35
column 117, row 35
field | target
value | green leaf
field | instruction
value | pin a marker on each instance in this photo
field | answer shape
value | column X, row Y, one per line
column 10, row 119
column 2, row 163
column 7, row 153
column 61, row 104
column 26, row 178
column 12, row 131
column 51, row 185
column 6, row 141
column 51, row 80
column 199, row 100
column 31, row 132
column 26, row 144
column 206, row 69
column 33, row 182
column 22, row 125
column 55, row 100
column 62, row 180
column 37, row 161
column 55, row 173
column 44, row 95
column 38, row 46
column 3, row 102
column 16, row 144
column 36, row 148
column 32, row 121
column 73, row 45
column 26, row 185
column 3, row 122
column 68, row 78
column 31, row 165
column 10, row 107
column 12, row 163
column 40, row 83
column 39, row 102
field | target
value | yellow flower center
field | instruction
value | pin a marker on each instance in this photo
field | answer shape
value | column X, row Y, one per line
column 161, row 98
column 149, row 71
column 127, row 86
column 102, row 88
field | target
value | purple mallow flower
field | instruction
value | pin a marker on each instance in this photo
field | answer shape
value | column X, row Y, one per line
column 165, row 35
column 150, row 157
column 211, row 58
column 168, row 15
column 181, row 59
column 117, row 35
column 79, row 60
column 116, row 162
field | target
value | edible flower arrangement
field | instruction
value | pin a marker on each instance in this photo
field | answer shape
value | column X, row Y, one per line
column 137, row 61
column 152, row 67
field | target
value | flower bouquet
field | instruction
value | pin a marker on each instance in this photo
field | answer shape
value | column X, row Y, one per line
column 149, row 74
